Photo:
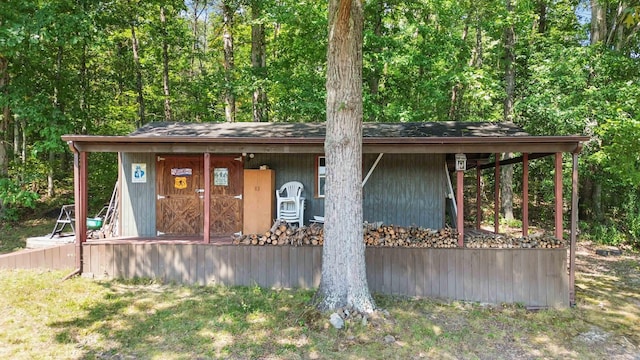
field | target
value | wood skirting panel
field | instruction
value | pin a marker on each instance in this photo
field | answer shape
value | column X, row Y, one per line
column 52, row 258
column 528, row 276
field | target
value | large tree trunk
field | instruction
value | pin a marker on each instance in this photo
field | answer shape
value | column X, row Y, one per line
column 344, row 278
column 138, row 70
column 258, row 62
column 165, row 65
column 229, row 97
column 510, row 86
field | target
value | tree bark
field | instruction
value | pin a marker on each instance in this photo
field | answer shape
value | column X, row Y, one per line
column 258, row 62
column 6, row 114
column 138, row 70
column 506, row 175
column 344, row 278
column 598, row 21
column 165, row 65
column 377, row 10
column 229, row 97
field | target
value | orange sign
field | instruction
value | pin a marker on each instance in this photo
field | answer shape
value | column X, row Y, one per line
column 181, row 182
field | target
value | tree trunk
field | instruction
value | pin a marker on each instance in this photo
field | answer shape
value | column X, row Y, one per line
column 51, row 191
column 258, row 62
column 229, row 97
column 506, row 188
column 542, row 16
column 344, row 278
column 506, row 174
column 138, row 69
column 456, row 90
column 6, row 114
column 375, row 74
column 598, row 21
column 165, row 65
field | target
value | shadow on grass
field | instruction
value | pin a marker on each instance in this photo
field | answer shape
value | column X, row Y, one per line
column 164, row 321
column 607, row 290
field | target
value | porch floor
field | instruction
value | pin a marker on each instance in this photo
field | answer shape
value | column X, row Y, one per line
column 173, row 239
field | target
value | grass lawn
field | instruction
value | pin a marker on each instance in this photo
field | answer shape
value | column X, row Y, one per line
column 13, row 236
column 42, row 317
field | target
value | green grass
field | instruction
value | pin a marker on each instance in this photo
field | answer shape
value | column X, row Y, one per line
column 13, row 237
column 42, row 317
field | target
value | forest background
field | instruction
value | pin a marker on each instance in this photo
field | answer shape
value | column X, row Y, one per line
column 554, row 67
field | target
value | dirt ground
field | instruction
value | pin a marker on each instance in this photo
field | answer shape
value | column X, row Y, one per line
column 608, row 299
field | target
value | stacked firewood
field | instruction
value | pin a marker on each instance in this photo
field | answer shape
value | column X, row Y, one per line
column 377, row 234
column 484, row 240
column 374, row 235
column 283, row 234
column 399, row 236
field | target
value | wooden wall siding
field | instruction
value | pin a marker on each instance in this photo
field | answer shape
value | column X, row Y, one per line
column 528, row 276
column 138, row 200
column 293, row 167
column 53, row 258
column 403, row 189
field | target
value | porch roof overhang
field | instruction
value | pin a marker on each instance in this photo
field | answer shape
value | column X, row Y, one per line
column 404, row 138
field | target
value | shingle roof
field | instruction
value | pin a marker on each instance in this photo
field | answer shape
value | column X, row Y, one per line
column 318, row 130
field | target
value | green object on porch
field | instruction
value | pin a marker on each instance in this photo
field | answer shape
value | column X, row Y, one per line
column 94, row 223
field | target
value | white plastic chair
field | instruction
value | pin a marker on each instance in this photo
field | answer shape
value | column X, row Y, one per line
column 290, row 203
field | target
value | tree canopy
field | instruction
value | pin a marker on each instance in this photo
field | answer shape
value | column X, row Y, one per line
column 105, row 67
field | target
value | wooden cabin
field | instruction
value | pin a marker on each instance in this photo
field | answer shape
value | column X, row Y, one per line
column 186, row 188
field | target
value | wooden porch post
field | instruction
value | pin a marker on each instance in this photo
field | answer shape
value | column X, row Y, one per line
column 496, row 212
column 80, row 195
column 478, row 196
column 207, row 198
column 574, row 230
column 460, row 205
column 558, row 195
column 525, row 194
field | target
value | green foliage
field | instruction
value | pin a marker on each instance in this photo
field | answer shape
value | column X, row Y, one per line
column 13, row 198
column 70, row 69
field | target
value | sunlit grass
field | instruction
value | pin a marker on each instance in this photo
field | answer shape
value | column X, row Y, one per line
column 42, row 317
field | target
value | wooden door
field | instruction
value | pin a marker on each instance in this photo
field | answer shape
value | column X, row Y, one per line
column 180, row 194
column 226, row 195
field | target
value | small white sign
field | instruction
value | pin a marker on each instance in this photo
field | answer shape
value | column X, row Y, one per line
column 461, row 162
column 138, row 173
column 221, row 177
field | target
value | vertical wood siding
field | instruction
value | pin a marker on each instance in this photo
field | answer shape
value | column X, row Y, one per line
column 403, row 189
column 54, row 258
column 138, row 200
column 533, row 277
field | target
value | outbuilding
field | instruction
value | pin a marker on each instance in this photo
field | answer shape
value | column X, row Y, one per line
column 187, row 188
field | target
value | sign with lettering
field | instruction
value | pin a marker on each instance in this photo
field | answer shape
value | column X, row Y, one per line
column 138, row 173
column 221, row 177
column 181, row 172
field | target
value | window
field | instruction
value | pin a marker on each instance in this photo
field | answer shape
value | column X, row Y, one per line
column 321, row 175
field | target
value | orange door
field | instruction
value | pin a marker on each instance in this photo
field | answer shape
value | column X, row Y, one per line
column 180, row 193
column 226, row 195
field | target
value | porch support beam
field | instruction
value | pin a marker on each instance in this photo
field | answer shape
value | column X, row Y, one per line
column 460, row 206
column 496, row 197
column 80, row 195
column 207, row 198
column 525, row 194
column 558, row 195
column 574, row 230
column 478, row 197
